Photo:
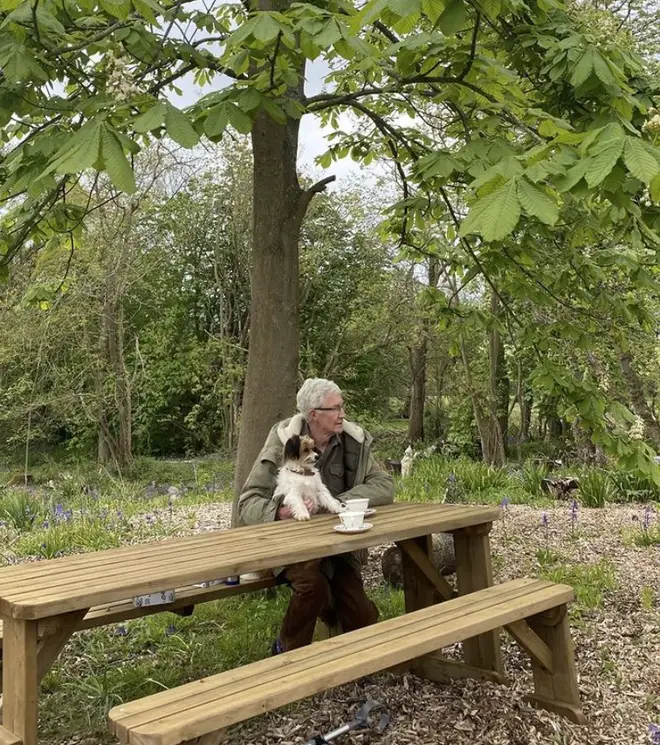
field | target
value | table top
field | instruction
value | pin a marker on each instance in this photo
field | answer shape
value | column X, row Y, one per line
column 47, row 588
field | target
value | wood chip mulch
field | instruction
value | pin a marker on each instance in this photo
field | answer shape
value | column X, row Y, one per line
column 617, row 650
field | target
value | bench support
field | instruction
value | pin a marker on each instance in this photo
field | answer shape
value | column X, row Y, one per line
column 474, row 572
column 556, row 691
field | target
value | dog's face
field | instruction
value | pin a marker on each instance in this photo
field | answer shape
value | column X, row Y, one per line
column 300, row 449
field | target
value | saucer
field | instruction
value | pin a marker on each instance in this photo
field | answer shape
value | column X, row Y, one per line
column 342, row 529
column 370, row 511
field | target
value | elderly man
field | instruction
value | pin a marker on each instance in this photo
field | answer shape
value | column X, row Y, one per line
column 332, row 588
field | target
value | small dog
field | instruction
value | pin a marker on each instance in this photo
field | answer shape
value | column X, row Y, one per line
column 299, row 479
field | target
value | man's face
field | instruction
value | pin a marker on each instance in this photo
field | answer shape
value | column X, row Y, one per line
column 330, row 415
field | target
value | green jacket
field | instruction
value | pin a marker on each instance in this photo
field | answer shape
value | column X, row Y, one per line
column 366, row 478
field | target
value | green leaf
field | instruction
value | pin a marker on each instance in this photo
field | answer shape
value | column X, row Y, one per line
column 114, row 160
column 330, row 34
column 453, row 17
column 151, row 119
column 266, row 28
column 216, row 121
column 599, row 166
column 492, row 8
column 537, row 202
column 117, row 8
column 404, row 8
column 179, row 128
column 641, row 160
column 496, row 215
column 81, row 152
column 654, row 188
column 602, row 69
column 583, row 69
column 432, row 9
column 572, row 177
column 239, row 120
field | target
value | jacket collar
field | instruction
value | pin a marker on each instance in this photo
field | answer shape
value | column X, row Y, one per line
column 293, row 426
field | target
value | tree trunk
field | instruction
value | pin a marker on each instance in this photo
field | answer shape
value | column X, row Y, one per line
column 418, row 391
column 418, row 357
column 638, row 398
column 279, row 206
column 499, row 380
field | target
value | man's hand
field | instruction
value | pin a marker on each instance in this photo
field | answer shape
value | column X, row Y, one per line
column 285, row 512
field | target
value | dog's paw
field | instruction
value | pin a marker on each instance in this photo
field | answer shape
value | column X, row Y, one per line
column 336, row 507
column 302, row 515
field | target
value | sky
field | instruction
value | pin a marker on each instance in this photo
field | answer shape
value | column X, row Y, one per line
column 312, row 142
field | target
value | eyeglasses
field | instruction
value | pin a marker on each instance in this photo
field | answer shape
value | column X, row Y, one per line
column 334, row 409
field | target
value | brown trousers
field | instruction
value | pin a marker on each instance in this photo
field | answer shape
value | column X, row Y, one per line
column 337, row 599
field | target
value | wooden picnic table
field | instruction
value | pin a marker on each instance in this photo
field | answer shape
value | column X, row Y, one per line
column 42, row 603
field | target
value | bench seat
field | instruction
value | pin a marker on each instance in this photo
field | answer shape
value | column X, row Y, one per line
column 206, row 706
column 186, row 598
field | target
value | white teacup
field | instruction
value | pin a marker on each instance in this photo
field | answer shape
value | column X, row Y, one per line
column 357, row 505
column 352, row 520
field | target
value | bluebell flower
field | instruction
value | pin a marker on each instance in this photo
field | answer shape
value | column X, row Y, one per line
column 544, row 519
column 121, row 631
column 505, row 503
column 171, row 629
column 654, row 733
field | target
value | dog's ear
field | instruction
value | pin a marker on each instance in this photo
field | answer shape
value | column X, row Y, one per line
column 292, row 448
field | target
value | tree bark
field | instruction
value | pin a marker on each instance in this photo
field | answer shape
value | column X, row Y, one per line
column 638, row 398
column 279, row 206
column 499, row 380
column 417, row 391
column 418, row 358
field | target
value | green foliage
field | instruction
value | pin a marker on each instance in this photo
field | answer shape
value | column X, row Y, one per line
column 531, row 477
column 596, row 488
column 21, row 509
column 590, row 582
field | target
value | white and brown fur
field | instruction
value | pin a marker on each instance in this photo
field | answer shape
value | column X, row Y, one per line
column 299, row 479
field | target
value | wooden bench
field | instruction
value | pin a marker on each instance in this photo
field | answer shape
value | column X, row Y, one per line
column 186, row 599
column 534, row 611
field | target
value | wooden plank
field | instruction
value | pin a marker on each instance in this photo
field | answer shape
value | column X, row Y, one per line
column 537, row 649
column 557, row 690
column 20, row 680
column 9, row 738
column 51, row 646
column 104, row 615
column 255, row 536
column 355, row 641
column 418, row 592
column 421, row 556
column 434, row 666
column 474, row 571
column 135, row 579
column 390, row 649
column 38, row 576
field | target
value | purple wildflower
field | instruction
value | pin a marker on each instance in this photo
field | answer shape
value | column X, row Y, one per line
column 654, row 733
column 574, row 512
column 505, row 503
column 121, row 631
column 171, row 629
column 647, row 518
column 544, row 520
column 45, row 524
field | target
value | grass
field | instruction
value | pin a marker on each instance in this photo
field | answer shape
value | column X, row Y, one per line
column 77, row 507
column 590, row 582
column 103, row 667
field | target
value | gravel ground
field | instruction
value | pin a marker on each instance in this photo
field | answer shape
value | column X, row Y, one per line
column 617, row 650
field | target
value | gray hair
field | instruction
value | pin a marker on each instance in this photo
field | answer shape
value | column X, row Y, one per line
column 312, row 393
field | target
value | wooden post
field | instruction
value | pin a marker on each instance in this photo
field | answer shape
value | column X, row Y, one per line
column 20, row 678
column 418, row 591
column 556, row 691
column 474, row 571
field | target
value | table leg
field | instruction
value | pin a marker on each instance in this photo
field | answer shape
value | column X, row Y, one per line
column 20, row 678
column 474, row 571
column 418, row 591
